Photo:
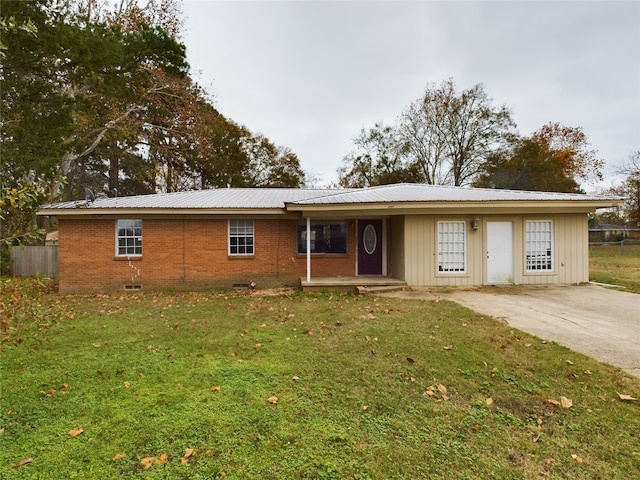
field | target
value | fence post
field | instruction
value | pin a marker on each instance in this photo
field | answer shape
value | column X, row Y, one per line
column 622, row 247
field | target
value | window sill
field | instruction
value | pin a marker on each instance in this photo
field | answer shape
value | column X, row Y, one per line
column 241, row 257
column 452, row 274
column 124, row 258
column 535, row 273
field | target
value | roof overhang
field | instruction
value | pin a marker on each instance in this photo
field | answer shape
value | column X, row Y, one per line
column 468, row 207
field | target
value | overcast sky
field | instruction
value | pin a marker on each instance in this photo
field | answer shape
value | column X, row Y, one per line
column 310, row 75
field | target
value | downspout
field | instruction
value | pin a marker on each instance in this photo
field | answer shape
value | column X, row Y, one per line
column 308, row 249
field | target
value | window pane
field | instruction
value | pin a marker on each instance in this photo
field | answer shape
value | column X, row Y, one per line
column 452, row 247
column 129, row 237
column 240, row 237
column 330, row 238
column 539, row 245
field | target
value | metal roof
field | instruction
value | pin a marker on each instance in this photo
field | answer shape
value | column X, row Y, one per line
column 283, row 199
column 414, row 192
column 217, row 198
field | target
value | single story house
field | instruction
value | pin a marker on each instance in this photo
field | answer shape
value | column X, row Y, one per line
column 413, row 234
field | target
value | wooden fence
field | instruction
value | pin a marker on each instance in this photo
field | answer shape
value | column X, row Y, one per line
column 28, row 261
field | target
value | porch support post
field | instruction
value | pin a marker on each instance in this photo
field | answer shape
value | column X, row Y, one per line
column 308, row 249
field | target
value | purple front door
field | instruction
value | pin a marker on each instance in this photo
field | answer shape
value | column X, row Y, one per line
column 369, row 247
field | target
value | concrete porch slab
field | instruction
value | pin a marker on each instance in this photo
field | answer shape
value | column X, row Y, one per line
column 349, row 284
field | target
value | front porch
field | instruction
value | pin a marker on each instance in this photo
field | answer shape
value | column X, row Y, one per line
column 361, row 284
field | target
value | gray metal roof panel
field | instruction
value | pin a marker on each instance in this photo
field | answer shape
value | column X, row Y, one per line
column 413, row 192
column 278, row 198
column 222, row 198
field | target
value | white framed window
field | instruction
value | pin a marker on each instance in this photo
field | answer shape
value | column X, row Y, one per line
column 539, row 245
column 241, row 237
column 452, row 247
column 129, row 238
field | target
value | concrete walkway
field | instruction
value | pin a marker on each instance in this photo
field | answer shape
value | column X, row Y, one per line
column 599, row 322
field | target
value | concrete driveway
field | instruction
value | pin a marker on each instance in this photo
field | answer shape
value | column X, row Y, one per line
column 601, row 323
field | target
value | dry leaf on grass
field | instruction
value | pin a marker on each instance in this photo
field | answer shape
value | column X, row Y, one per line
column 215, row 389
column 566, row 402
column 162, row 458
column 187, row 453
column 626, row 398
column 22, row 462
column 448, row 347
column 74, row 432
column 119, row 456
column 489, row 401
column 577, row 458
column 442, row 388
column 146, row 462
column 553, row 402
column 273, row 400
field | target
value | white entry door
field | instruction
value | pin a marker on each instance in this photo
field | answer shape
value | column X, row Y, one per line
column 499, row 252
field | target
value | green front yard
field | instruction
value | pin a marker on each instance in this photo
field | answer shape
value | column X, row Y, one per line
column 239, row 386
column 607, row 265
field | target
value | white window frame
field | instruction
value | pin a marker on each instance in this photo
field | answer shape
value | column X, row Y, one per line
column 241, row 229
column 135, row 238
column 452, row 247
column 539, row 248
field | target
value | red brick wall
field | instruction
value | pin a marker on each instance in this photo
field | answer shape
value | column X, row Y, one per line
column 187, row 253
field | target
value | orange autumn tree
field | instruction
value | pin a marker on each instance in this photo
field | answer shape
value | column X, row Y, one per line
column 571, row 150
column 554, row 158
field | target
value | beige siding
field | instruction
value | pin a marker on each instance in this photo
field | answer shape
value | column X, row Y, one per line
column 571, row 253
column 396, row 246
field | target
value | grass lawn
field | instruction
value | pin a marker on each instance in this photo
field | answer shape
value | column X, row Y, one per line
column 606, row 265
column 184, row 385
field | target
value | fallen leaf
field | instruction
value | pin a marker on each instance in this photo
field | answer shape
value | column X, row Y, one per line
column 187, row 453
column 566, row 402
column 448, row 347
column 22, row 462
column 146, row 462
column 477, row 427
column 127, row 384
column 74, row 432
column 577, row 458
column 410, row 360
column 295, row 379
column 365, row 407
column 569, row 362
column 258, row 345
column 442, row 388
column 215, row 389
column 119, row 456
column 273, row 400
column 162, row 458
column 553, row 402
column 222, row 475
column 489, row 401
column 627, row 398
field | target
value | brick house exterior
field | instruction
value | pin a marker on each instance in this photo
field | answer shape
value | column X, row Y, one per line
column 419, row 235
column 186, row 254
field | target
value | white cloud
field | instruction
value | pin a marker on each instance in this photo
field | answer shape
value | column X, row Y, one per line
column 309, row 75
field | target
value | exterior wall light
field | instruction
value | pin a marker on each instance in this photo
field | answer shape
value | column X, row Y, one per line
column 475, row 224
